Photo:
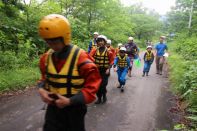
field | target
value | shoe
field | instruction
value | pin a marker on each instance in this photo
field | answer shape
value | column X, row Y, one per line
column 143, row 75
column 122, row 88
column 118, row 86
column 98, row 101
column 104, row 98
column 146, row 73
column 129, row 74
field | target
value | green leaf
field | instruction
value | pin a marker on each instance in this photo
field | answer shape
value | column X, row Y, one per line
column 179, row 126
column 193, row 118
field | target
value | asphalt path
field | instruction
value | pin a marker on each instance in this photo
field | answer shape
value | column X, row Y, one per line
column 143, row 106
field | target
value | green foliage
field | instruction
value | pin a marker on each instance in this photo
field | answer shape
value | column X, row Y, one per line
column 187, row 47
column 145, row 26
column 183, row 72
column 179, row 127
column 178, row 17
column 183, row 76
column 176, row 72
column 4, row 41
column 8, row 60
column 20, row 45
column 194, row 118
column 18, row 78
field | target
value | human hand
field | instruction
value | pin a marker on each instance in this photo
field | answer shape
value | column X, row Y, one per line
column 45, row 96
column 115, row 69
column 62, row 101
column 107, row 72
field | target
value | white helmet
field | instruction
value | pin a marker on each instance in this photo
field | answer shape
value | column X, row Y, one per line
column 102, row 37
column 123, row 48
column 130, row 38
column 163, row 37
column 119, row 44
column 149, row 47
column 109, row 41
column 96, row 33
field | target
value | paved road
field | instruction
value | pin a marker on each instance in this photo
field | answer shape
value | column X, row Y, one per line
column 142, row 107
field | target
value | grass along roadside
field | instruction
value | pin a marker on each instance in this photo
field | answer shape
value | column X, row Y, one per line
column 18, row 79
column 183, row 77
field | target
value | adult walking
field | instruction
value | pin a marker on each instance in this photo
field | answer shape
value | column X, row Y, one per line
column 132, row 51
column 160, row 47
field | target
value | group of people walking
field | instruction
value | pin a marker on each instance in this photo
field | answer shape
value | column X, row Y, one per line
column 71, row 77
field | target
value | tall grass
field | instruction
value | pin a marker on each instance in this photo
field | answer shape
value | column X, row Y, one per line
column 18, row 78
column 183, row 76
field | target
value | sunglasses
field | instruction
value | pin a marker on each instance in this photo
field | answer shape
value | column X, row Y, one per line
column 54, row 40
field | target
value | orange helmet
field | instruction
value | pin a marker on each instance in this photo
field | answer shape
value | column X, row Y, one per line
column 54, row 26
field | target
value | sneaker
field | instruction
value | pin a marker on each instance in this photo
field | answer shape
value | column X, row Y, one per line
column 143, row 74
column 146, row 73
column 122, row 88
column 98, row 101
column 104, row 99
column 129, row 74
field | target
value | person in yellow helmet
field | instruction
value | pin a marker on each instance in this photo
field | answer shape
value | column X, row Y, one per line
column 69, row 78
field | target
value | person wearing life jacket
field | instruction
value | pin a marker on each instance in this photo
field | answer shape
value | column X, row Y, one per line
column 103, row 58
column 121, row 66
column 110, row 48
column 92, row 43
column 118, row 48
column 69, row 78
column 160, row 49
column 148, row 60
column 132, row 52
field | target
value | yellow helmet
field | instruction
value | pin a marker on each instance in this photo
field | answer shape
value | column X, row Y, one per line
column 54, row 26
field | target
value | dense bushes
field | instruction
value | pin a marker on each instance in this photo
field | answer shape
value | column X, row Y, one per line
column 187, row 47
column 183, row 74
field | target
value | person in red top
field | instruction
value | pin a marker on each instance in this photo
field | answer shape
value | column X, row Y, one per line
column 118, row 48
column 109, row 47
column 103, row 58
column 69, row 78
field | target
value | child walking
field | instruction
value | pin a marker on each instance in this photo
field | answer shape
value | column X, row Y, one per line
column 104, row 60
column 122, row 62
column 148, row 60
